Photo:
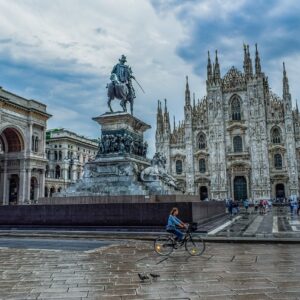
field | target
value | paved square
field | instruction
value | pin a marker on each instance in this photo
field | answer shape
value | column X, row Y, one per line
column 226, row 271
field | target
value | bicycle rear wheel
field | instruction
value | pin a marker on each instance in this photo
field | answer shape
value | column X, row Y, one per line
column 164, row 245
column 195, row 246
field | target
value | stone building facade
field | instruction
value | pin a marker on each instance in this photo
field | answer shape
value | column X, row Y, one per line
column 240, row 141
column 67, row 152
column 22, row 149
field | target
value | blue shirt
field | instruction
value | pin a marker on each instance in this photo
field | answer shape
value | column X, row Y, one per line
column 172, row 222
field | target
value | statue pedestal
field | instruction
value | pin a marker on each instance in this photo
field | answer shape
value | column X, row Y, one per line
column 121, row 123
column 121, row 133
column 120, row 161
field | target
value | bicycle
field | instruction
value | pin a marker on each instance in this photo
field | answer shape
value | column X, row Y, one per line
column 165, row 244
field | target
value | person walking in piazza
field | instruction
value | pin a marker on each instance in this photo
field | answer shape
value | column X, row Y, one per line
column 246, row 205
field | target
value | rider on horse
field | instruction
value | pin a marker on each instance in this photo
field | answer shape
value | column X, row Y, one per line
column 124, row 74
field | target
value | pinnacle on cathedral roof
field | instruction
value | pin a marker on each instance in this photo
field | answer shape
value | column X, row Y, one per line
column 257, row 62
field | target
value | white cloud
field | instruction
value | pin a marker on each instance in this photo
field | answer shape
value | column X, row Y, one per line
column 88, row 37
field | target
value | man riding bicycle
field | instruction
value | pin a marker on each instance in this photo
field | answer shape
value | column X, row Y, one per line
column 173, row 221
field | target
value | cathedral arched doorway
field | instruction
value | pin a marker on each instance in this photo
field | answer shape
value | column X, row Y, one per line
column 13, row 189
column 46, row 192
column 203, row 193
column 240, row 188
column 33, row 188
column 52, row 191
column 280, row 191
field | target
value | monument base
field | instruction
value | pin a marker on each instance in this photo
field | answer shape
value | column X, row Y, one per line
column 121, row 166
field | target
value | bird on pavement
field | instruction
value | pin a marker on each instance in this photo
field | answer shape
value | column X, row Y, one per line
column 154, row 276
column 143, row 277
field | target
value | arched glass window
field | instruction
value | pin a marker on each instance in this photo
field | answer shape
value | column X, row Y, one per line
column 48, row 155
column 202, row 141
column 70, row 173
column 278, row 161
column 178, row 166
column 32, row 143
column 276, row 135
column 57, row 172
column 47, row 171
column 237, row 144
column 36, row 144
column 55, row 155
column 236, row 109
column 202, row 165
column 60, row 155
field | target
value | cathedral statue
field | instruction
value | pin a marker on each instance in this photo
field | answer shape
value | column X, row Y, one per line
column 121, row 86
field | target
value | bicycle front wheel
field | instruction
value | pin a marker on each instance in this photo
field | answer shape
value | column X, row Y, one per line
column 195, row 246
column 163, row 245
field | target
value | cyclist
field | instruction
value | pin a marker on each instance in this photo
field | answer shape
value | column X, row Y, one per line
column 173, row 221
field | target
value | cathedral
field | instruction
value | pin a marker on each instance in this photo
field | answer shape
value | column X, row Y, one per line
column 240, row 141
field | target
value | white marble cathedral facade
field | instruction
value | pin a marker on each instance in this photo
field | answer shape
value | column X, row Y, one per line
column 22, row 149
column 240, row 141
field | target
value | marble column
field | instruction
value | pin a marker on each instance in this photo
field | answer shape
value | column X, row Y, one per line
column 22, row 183
column 27, row 184
column 4, row 183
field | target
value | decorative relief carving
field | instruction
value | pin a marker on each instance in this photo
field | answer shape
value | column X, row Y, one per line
column 234, row 80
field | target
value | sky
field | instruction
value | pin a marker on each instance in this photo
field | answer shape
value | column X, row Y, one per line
column 61, row 52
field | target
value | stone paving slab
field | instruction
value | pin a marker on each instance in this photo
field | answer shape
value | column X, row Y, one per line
column 225, row 271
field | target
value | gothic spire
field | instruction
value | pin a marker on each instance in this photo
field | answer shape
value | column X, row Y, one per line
column 159, row 119
column 245, row 58
column 166, row 118
column 247, row 62
column 209, row 69
column 174, row 124
column 285, row 81
column 257, row 62
column 166, row 109
column 194, row 101
column 217, row 73
column 187, row 93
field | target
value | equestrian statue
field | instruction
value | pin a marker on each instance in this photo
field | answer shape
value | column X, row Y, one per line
column 121, row 86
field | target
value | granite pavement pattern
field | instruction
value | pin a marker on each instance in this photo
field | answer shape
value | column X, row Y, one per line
column 225, row 271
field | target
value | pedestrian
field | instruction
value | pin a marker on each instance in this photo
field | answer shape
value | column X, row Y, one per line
column 298, row 209
column 256, row 204
column 230, row 206
column 235, row 207
column 261, row 207
column 246, row 205
column 291, row 205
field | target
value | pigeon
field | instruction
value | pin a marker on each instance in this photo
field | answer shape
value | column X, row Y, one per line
column 154, row 276
column 143, row 277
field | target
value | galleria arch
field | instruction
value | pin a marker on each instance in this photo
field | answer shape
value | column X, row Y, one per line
column 22, row 150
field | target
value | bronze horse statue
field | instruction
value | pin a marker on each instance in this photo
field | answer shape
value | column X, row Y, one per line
column 118, row 90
